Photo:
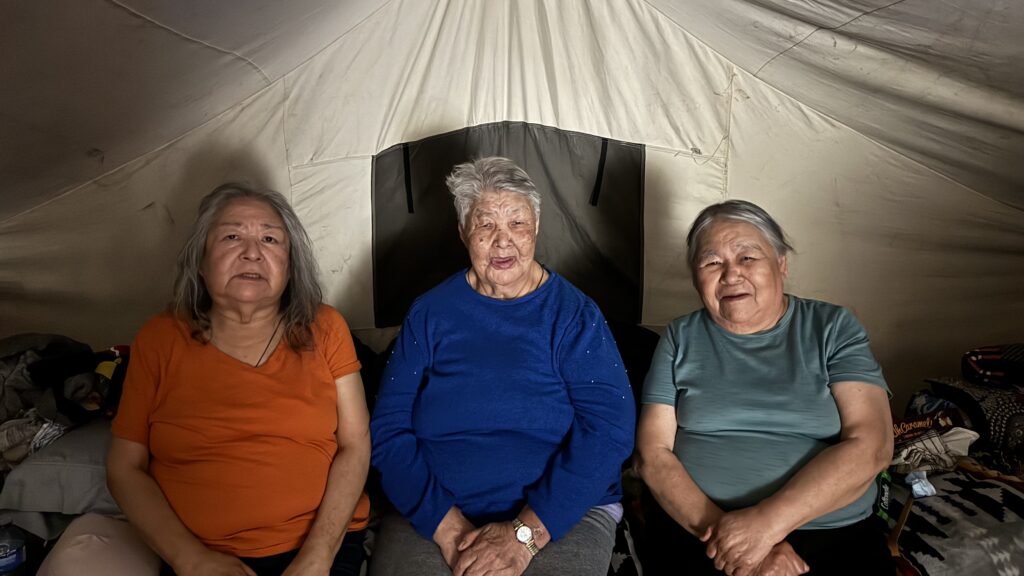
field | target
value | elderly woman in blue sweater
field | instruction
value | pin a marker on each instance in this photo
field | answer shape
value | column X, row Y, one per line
column 504, row 413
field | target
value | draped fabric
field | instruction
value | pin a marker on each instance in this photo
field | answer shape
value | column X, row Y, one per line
column 884, row 135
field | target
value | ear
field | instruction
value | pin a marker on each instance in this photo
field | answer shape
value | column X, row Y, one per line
column 784, row 266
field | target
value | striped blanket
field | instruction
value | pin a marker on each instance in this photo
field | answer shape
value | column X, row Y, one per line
column 972, row 526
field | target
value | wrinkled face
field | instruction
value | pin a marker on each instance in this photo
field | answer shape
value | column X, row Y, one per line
column 739, row 277
column 246, row 257
column 501, row 234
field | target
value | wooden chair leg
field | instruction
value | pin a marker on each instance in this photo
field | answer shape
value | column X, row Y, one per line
column 894, row 535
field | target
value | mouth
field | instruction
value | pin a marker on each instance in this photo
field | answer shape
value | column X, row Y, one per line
column 503, row 263
column 249, row 276
column 733, row 297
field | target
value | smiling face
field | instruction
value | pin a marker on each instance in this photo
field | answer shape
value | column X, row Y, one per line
column 246, row 258
column 739, row 277
column 501, row 235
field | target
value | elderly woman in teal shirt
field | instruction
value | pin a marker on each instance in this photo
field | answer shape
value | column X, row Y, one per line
column 765, row 418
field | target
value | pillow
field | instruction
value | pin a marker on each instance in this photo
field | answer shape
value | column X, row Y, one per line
column 995, row 413
column 66, row 477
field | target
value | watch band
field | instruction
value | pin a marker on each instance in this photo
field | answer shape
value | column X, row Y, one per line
column 529, row 542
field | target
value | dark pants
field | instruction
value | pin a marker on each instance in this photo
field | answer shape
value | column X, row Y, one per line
column 347, row 562
column 859, row 549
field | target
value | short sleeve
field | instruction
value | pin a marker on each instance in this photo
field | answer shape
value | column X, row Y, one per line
column 849, row 353
column 660, row 384
column 338, row 349
column 141, row 382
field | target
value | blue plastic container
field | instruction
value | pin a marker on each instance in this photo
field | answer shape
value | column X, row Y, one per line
column 12, row 549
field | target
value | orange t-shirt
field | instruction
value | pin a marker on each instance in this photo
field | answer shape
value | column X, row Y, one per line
column 241, row 453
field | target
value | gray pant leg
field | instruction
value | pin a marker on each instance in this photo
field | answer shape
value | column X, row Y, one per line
column 400, row 551
column 585, row 551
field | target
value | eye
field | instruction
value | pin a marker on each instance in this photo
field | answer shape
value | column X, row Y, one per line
column 270, row 240
column 710, row 263
column 485, row 225
column 231, row 236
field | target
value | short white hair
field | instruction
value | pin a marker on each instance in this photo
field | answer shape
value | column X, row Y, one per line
column 470, row 180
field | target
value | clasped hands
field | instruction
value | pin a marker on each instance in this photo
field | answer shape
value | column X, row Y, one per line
column 490, row 550
column 746, row 543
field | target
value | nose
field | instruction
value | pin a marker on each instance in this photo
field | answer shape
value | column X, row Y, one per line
column 731, row 274
column 252, row 250
column 502, row 237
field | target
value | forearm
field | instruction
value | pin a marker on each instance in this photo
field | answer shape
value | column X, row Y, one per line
column 141, row 500
column 345, row 482
column 676, row 491
column 834, row 478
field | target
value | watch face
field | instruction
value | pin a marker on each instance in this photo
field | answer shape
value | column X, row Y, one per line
column 523, row 534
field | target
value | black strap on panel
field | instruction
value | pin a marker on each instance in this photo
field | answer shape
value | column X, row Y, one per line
column 408, row 177
column 600, row 173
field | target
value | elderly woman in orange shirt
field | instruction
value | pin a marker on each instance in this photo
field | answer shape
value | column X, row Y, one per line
column 241, row 445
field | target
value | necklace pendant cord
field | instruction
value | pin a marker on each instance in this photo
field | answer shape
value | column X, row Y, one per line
column 267, row 347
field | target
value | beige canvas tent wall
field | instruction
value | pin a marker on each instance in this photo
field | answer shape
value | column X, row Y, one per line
column 886, row 136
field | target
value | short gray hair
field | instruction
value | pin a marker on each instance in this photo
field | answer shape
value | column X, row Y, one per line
column 739, row 211
column 470, row 180
column 302, row 295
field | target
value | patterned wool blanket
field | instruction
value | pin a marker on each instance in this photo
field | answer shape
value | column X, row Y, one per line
column 973, row 525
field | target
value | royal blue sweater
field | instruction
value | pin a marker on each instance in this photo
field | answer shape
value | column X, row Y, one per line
column 490, row 405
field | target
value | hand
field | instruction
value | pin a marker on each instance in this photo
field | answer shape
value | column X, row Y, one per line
column 453, row 527
column 782, row 561
column 492, row 550
column 212, row 563
column 740, row 540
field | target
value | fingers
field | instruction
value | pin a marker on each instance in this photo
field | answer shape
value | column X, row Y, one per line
column 468, row 539
column 781, row 561
column 743, row 571
column 463, row 565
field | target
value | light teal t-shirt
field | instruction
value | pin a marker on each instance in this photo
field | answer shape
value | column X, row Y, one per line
column 753, row 409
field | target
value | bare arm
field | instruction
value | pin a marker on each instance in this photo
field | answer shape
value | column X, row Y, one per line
column 834, row 478
column 841, row 473
column 665, row 475
column 146, row 507
column 345, row 481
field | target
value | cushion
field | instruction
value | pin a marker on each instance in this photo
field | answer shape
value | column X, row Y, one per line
column 995, row 413
column 66, row 477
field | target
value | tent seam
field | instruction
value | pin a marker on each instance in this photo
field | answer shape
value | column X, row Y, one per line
column 899, row 153
column 728, row 131
column 340, row 37
column 819, row 28
column 284, row 137
column 167, row 144
column 164, row 146
column 159, row 24
column 333, row 160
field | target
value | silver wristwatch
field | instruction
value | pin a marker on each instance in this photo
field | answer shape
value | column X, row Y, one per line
column 524, row 534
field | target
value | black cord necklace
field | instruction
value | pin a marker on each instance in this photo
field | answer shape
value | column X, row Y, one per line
column 272, row 334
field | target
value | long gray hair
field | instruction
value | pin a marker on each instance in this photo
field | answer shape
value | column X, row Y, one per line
column 470, row 180
column 302, row 295
column 739, row 211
